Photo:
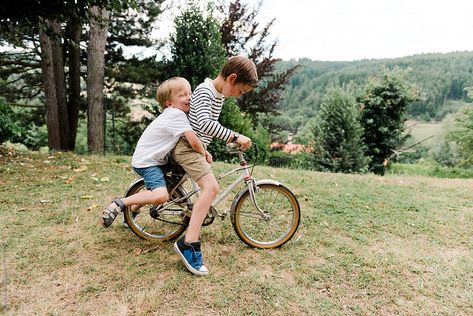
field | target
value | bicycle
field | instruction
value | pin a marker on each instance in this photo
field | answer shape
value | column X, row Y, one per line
column 264, row 213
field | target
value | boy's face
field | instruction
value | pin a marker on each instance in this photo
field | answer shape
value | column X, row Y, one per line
column 232, row 89
column 180, row 99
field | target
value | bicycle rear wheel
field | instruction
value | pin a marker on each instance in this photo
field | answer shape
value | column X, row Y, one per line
column 278, row 222
column 153, row 222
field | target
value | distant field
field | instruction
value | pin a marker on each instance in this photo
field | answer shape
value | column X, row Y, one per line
column 421, row 130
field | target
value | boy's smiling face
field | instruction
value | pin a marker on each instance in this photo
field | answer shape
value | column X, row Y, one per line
column 180, row 99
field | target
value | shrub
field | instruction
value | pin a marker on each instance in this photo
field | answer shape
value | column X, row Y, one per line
column 338, row 145
column 384, row 106
column 232, row 118
column 8, row 127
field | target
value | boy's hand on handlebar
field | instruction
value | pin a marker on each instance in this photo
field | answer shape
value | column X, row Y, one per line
column 245, row 142
column 208, row 157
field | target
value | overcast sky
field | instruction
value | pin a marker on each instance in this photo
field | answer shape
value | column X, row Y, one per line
column 360, row 29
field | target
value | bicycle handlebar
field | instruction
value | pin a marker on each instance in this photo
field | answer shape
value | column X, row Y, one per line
column 233, row 146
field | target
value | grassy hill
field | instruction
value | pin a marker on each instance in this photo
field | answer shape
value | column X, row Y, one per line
column 367, row 245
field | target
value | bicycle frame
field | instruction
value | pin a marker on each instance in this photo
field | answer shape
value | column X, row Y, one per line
column 244, row 177
column 252, row 224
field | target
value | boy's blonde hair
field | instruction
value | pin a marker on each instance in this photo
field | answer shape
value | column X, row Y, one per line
column 168, row 87
column 244, row 68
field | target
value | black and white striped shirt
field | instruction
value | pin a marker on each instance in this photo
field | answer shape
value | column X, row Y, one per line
column 205, row 107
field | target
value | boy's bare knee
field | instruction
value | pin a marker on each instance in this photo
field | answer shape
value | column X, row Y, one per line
column 212, row 189
column 209, row 185
column 160, row 198
column 215, row 189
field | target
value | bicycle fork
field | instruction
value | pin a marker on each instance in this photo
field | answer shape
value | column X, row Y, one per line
column 253, row 188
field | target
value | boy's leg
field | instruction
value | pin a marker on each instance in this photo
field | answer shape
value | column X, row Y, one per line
column 156, row 194
column 209, row 190
column 188, row 247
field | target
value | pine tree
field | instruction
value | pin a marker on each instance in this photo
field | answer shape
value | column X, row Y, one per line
column 384, row 106
column 338, row 146
column 242, row 35
column 196, row 47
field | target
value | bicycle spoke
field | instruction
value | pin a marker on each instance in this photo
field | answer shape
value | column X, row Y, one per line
column 160, row 224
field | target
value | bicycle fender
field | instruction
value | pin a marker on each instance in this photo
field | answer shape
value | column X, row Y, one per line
column 132, row 185
column 244, row 190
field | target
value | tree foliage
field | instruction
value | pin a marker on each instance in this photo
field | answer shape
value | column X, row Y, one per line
column 384, row 106
column 243, row 35
column 196, row 46
column 462, row 135
column 338, row 144
column 439, row 79
column 131, row 78
column 23, row 79
column 8, row 127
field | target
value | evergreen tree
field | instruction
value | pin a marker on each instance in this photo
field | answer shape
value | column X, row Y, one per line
column 384, row 106
column 338, row 146
column 131, row 78
column 242, row 35
column 196, row 47
column 462, row 135
column 22, row 79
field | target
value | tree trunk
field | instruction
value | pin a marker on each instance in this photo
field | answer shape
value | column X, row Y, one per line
column 74, row 81
column 59, row 77
column 52, row 112
column 95, row 80
column 52, row 65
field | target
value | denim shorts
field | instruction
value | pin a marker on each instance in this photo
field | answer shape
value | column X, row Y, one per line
column 153, row 176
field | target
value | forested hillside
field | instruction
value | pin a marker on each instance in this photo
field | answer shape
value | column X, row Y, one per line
column 439, row 78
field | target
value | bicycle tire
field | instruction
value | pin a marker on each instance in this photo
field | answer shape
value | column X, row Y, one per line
column 147, row 226
column 279, row 203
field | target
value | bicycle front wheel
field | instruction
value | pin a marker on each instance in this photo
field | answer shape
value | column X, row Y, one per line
column 153, row 222
column 276, row 221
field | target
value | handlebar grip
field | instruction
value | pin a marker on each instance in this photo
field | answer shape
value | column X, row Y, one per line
column 233, row 146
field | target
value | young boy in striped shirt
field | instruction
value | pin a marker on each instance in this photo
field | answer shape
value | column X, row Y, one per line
column 237, row 77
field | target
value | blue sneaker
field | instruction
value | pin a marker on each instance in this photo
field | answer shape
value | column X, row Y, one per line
column 191, row 256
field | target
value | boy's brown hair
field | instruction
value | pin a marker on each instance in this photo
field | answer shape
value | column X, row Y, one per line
column 244, row 68
column 167, row 87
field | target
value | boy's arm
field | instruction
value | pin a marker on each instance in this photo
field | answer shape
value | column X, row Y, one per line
column 201, row 115
column 195, row 142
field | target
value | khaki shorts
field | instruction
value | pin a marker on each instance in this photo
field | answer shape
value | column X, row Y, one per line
column 191, row 161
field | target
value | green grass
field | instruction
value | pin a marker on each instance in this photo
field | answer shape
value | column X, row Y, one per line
column 430, row 169
column 367, row 245
column 422, row 130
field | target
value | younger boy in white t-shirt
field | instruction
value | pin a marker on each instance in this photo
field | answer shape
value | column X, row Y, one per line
column 156, row 142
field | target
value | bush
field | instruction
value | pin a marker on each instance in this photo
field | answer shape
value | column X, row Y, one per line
column 384, row 106
column 338, row 145
column 301, row 160
column 430, row 169
column 8, row 127
column 21, row 127
column 232, row 118
column 462, row 135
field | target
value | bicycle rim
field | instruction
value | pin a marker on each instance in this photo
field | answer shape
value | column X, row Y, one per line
column 151, row 224
column 282, row 209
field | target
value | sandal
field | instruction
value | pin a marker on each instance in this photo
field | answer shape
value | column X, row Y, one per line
column 110, row 213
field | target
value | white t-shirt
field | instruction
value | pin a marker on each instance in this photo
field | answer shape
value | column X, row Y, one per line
column 159, row 138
